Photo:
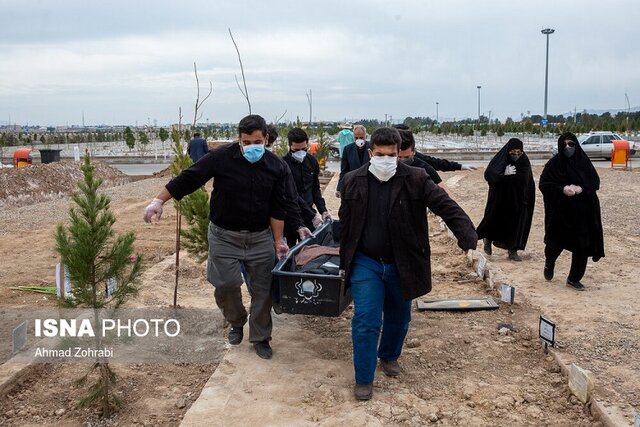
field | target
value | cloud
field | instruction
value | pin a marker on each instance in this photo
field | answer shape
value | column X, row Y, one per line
column 126, row 61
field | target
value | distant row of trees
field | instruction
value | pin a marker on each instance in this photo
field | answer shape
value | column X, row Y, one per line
column 580, row 123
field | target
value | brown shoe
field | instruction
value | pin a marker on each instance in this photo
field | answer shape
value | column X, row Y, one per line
column 363, row 391
column 391, row 368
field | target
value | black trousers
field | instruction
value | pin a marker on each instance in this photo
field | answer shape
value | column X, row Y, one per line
column 578, row 261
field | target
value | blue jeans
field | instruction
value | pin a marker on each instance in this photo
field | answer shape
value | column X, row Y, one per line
column 376, row 292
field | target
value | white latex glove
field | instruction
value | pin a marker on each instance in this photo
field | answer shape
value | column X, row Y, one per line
column 576, row 188
column 281, row 248
column 468, row 168
column 316, row 221
column 510, row 170
column 338, row 194
column 154, row 209
column 568, row 190
column 304, row 232
column 326, row 216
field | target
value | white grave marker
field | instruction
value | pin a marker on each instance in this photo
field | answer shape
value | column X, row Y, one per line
column 63, row 282
column 637, row 422
column 112, row 286
column 490, row 280
column 76, row 153
column 508, row 293
column 19, row 337
column 482, row 265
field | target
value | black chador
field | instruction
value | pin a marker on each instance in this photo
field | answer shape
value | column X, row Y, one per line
column 511, row 200
column 572, row 222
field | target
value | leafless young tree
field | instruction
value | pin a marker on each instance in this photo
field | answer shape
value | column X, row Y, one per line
column 198, row 102
column 244, row 92
column 310, row 101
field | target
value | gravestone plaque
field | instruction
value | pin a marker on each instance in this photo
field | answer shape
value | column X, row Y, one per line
column 490, row 280
column 482, row 265
column 581, row 383
column 547, row 331
column 508, row 293
column 461, row 304
column 19, row 337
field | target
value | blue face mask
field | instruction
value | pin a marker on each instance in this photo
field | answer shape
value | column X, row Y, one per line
column 253, row 152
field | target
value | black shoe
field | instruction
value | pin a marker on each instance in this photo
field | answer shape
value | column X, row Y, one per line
column 263, row 349
column 513, row 256
column 235, row 335
column 548, row 271
column 575, row 285
column 363, row 391
column 487, row 246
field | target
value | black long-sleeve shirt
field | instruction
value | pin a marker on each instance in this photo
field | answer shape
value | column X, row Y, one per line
column 245, row 195
column 306, row 176
column 443, row 165
column 376, row 236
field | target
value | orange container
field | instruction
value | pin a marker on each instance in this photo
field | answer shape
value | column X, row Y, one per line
column 620, row 154
column 22, row 157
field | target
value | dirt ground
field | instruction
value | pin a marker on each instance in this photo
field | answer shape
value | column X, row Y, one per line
column 597, row 328
column 457, row 369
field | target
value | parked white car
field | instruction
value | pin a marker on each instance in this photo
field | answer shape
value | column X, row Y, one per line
column 598, row 144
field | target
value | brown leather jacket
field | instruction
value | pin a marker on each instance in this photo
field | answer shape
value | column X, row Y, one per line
column 412, row 193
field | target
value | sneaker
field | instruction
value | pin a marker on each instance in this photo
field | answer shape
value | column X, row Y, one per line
column 391, row 368
column 487, row 246
column 513, row 256
column 363, row 391
column 235, row 335
column 548, row 271
column 263, row 349
column 575, row 285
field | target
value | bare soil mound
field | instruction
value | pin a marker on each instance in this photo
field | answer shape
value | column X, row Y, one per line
column 40, row 182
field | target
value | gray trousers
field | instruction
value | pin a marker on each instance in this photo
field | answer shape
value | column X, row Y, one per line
column 227, row 249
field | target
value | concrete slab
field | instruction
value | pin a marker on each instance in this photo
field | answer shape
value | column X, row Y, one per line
column 246, row 390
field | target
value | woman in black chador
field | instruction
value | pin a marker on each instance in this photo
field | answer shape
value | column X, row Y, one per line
column 507, row 216
column 571, row 210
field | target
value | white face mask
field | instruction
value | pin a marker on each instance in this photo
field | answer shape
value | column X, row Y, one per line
column 360, row 143
column 383, row 167
column 299, row 155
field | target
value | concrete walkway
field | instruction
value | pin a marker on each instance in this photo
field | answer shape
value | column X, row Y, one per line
column 246, row 390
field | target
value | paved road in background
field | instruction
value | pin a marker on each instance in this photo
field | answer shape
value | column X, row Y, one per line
column 332, row 165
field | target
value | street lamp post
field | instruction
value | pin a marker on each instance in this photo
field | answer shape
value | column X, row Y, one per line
column 479, row 87
column 437, row 121
column 546, row 32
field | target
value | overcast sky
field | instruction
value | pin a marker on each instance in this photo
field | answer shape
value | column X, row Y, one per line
column 122, row 62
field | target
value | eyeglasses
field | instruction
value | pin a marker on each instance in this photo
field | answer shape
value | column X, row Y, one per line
column 570, row 143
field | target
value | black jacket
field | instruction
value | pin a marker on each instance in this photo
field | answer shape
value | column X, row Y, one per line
column 443, row 165
column 412, row 192
column 306, row 176
column 351, row 161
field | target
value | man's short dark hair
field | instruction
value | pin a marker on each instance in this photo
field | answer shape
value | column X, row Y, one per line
column 273, row 134
column 196, row 134
column 252, row 123
column 385, row 136
column 408, row 141
column 297, row 135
